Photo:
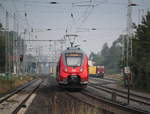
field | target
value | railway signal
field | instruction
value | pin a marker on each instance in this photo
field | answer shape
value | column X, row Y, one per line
column 21, row 58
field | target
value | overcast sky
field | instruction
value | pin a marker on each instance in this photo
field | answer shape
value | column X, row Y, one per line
column 109, row 17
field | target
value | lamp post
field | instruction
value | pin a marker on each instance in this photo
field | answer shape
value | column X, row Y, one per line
column 129, row 42
column 53, row 2
column 86, row 29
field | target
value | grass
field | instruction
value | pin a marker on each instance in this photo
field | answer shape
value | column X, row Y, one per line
column 115, row 76
column 53, row 75
column 73, row 107
column 9, row 83
column 120, row 83
column 66, row 105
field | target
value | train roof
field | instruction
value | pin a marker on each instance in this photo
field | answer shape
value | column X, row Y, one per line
column 73, row 50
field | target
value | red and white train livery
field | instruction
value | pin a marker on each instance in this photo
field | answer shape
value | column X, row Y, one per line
column 72, row 68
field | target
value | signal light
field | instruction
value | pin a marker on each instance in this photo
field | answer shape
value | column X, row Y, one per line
column 21, row 58
column 81, row 69
column 65, row 69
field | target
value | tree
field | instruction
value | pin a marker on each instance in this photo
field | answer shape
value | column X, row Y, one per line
column 109, row 57
column 91, row 56
column 105, row 50
column 12, row 36
column 1, row 26
column 141, row 54
column 2, row 49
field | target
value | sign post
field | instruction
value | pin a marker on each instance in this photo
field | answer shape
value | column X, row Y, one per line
column 128, row 77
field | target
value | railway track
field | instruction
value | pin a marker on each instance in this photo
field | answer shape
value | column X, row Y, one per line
column 104, row 104
column 121, row 93
column 5, row 97
column 13, row 102
column 116, row 107
column 133, row 97
column 120, row 96
column 103, row 81
column 112, row 103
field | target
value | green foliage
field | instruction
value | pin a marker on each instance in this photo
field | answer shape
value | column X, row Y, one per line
column 8, row 84
column 141, row 55
column 109, row 57
column 11, row 35
column 2, row 51
column 1, row 26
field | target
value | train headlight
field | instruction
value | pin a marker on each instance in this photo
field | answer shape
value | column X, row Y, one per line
column 81, row 69
column 65, row 69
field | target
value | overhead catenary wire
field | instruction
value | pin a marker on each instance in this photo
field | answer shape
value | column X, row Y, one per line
column 89, row 6
column 60, row 2
column 77, row 22
column 19, row 18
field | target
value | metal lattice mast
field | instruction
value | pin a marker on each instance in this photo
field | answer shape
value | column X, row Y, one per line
column 6, row 45
column 55, row 51
column 140, row 15
column 129, row 32
column 14, row 43
column 50, row 50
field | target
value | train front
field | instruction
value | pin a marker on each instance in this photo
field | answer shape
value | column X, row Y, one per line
column 73, row 69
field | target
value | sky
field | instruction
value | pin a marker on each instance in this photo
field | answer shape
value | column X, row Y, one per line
column 109, row 17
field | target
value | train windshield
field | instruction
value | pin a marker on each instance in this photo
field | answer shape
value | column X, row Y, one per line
column 73, row 59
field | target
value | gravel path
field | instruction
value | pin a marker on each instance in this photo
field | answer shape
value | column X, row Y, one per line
column 51, row 99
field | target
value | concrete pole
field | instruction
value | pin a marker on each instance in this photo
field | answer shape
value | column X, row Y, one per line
column 6, row 45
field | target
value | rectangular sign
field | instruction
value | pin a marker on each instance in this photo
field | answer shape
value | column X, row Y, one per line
column 73, row 54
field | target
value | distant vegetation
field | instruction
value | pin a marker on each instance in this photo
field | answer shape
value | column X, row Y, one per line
column 8, row 84
column 12, row 36
column 109, row 57
column 2, row 49
column 139, row 62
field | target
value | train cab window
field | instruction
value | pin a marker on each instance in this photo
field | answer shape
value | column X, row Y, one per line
column 73, row 59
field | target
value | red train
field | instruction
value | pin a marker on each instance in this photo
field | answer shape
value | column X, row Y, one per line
column 72, row 68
